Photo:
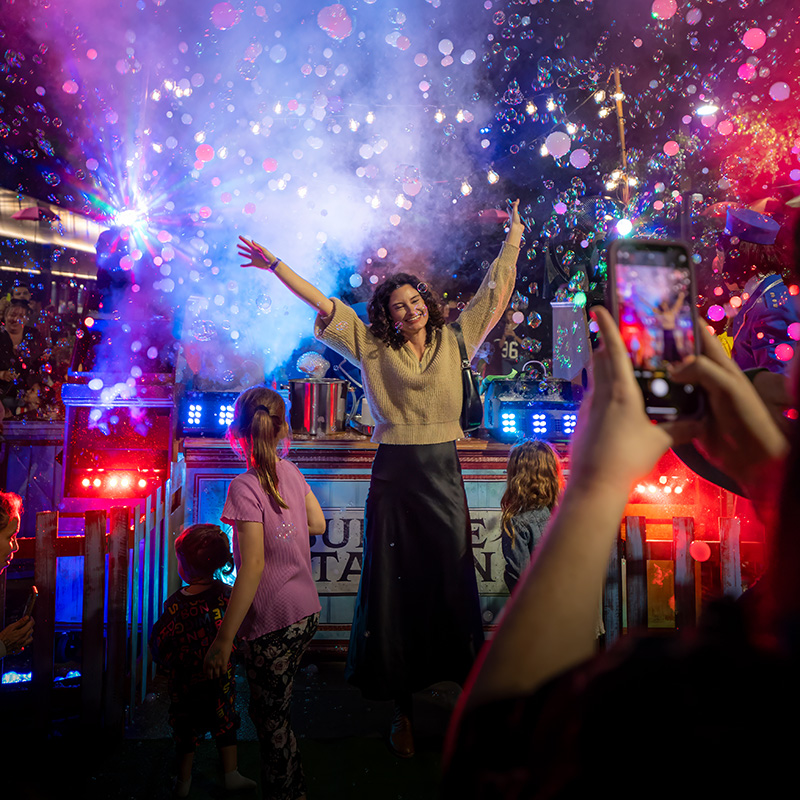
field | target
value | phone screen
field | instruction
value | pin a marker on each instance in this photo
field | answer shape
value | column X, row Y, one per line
column 656, row 311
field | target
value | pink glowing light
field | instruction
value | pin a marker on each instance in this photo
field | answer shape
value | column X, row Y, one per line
column 672, row 148
column 747, row 72
column 779, row 91
column 269, row 165
column 204, row 152
column 579, row 158
column 69, row 87
column 716, row 313
column 794, row 331
column 725, row 128
column 699, row 550
column 558, row 144
column 784, row 352
column 335, row 21
column 754, row 38
column 664, row 9
column 225, row 16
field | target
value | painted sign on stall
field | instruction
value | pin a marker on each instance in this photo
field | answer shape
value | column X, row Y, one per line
column 336, row 555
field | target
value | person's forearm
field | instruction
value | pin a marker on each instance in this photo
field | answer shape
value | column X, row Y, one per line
column 242, row 594
column 301, row 288
column 550, row 624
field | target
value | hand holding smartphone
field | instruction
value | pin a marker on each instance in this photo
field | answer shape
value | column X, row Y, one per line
column 653, row 298
column 30, row 603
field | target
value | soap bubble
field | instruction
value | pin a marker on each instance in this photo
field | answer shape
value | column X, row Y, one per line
column 225, row 16
column 579, row 158
column 779, row 91
column 204, row 330
column 558, row 144
column 664, row 9
column 754, row 39
column 534, row 319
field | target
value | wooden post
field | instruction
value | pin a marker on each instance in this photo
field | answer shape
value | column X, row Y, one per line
column 636, row 564
column 685, row 606
column 93, row 662
column 730, row 560
column 159, row 558
column 147, row 589
column 612, row 597
column 44, row 616
column 114, row 699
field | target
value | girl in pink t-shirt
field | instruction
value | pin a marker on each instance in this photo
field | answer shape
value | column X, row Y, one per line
column 274, row 605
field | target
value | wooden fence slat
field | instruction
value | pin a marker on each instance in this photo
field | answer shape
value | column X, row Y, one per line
column 636, row 581
column 117, row 637
column 730, row 560
column 93, row 662
column 158, row 553
column 685, row 606
column 612, row 597
column 166, row 545
column 44, row 616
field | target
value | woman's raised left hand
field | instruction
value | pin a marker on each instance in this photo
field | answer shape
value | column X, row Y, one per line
column 516, row 229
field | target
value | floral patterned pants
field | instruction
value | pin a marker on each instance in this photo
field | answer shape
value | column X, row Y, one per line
column 272, row 661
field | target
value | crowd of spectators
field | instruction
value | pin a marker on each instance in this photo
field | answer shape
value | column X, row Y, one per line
column 36, row 345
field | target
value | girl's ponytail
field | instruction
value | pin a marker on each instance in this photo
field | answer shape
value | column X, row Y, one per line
column 258, row 428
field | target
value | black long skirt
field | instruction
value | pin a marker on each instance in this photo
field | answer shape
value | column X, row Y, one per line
column 417, row 619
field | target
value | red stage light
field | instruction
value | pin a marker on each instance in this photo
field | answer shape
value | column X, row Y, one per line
column 86, row 482
column 699, row 550
column 96, row 482
column 126, row 482
column 142, row 483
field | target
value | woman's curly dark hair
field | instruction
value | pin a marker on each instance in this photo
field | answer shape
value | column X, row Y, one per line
column 381, row 323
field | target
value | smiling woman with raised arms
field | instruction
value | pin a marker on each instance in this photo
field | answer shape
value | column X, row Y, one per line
column 417, row 619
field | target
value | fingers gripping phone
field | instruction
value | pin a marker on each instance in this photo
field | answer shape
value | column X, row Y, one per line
column 653, row 297
column 30, row 603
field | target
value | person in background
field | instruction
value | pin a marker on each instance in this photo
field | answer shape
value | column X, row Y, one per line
column 19, row 634
column 753, row 266
column 274, row 606
column 21, row 349
column 179, row 641
column 542, row 716
column 417, row 619
column 21, row 291
column 534, row 483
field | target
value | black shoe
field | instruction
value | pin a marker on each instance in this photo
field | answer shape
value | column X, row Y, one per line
column 401, row 737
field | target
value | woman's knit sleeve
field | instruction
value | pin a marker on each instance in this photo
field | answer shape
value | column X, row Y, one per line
column 344, row 332
column 490, row 301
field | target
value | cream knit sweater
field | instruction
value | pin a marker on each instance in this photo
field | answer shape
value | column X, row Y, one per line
column 413, row 401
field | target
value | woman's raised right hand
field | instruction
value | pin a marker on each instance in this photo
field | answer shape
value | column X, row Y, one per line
column 256, row 254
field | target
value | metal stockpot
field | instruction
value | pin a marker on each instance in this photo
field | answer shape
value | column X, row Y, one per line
column 318, row 407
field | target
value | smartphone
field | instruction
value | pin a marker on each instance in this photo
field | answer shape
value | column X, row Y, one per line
column 653, row 297
column 30, row 603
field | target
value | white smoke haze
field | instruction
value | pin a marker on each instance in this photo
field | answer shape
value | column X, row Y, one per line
column 312, row 129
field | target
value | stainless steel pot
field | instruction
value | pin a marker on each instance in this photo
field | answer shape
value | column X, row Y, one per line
column 318, row 407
